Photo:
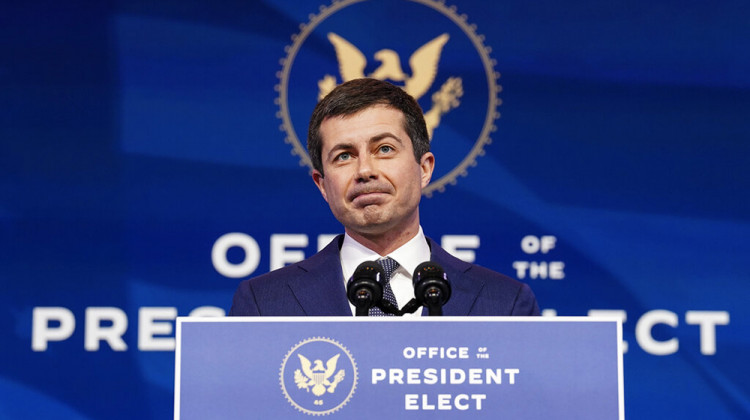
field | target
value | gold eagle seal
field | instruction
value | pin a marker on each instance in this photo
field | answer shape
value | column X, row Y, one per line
column 430, row 78
column 313, row 386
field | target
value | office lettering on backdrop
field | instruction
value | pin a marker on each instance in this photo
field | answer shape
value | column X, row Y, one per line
column 289, row 248
column 109, row 325
column 539, row 247
column 105, row 327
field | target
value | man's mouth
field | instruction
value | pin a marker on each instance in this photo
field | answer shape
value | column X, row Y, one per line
column 368, row 197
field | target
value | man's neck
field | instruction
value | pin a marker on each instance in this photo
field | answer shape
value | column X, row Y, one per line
column 387, row 242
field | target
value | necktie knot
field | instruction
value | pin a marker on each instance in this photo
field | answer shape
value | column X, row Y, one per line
column 389, row 266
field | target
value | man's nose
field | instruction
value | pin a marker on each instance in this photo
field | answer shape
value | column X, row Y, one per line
column 366, row 167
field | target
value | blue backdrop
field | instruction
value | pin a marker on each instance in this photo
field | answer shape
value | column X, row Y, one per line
column 151, row 159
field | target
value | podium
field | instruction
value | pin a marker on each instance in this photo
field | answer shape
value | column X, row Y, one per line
column 375, row 368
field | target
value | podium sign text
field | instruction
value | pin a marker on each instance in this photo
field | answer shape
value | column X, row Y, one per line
column 374, row 368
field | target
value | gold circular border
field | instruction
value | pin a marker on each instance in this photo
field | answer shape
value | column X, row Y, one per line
column 283, row 367
column 493, row 88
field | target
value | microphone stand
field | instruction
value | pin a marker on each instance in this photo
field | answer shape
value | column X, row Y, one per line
column 410, row 307
column 434, row 301
column 362, row 302
column 389, row 308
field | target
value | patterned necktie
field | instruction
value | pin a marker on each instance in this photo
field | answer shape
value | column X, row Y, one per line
column 389, row 266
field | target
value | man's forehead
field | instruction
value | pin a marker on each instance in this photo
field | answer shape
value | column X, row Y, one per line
column 338, row 136
column 353, row 115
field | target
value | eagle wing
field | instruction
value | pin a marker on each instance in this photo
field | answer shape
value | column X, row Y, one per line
column 305, row 366
column 300, row 380
column 423, row 65
column 331, row 365
column 351, row 60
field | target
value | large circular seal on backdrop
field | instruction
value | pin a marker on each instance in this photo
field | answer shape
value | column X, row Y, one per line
column 424, row 46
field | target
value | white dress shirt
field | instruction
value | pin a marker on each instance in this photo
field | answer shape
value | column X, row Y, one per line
column 409, row 256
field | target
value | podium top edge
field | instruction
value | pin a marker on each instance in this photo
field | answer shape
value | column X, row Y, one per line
column 270, row 319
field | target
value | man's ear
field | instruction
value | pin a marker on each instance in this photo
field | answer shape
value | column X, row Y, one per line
column 427, row 164
column 318, row 180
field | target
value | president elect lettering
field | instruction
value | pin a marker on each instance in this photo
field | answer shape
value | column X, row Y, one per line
column 442, row 376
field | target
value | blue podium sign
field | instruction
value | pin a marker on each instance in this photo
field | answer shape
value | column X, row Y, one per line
column 367, row 368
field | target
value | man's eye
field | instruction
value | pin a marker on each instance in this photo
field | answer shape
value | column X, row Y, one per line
column 344, row 156
column 386, row 149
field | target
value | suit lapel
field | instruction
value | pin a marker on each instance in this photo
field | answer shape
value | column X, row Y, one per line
column 319, row 287
column 320, row 291
column 463, row 292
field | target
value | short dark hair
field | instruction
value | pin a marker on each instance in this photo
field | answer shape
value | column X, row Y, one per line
column 356, row 95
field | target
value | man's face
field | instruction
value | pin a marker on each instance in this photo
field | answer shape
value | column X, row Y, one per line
column 372, row 181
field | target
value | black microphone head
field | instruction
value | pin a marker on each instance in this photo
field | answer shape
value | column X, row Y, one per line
column 431, row 285
column 365, row 288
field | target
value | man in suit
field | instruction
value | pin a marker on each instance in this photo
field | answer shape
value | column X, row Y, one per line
column 371, row 156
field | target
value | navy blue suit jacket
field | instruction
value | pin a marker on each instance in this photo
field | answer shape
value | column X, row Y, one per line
column 315, row 287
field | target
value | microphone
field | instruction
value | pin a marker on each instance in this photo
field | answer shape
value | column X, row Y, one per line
column 431, row 287
column 365, row 290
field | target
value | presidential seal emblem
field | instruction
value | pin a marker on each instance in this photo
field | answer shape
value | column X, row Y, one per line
column 318, row 376
column 450, row 73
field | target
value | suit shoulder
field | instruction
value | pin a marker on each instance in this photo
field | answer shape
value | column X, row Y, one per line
column 473, row 271
column 495, row 293
column 266, row 293
column 324, row 257
column 252, row 293
column 492, row 278
column 274, row 277
column 504, row 291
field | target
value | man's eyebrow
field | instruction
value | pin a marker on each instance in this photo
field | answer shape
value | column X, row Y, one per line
column 381, row 136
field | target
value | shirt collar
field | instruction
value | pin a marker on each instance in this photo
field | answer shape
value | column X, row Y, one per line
column 409, row 255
